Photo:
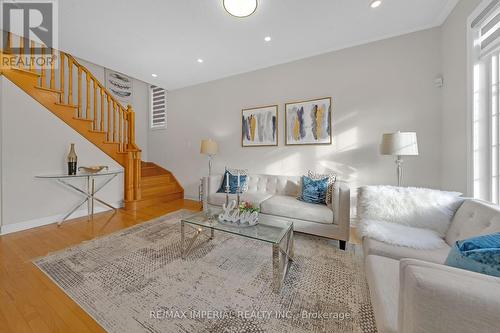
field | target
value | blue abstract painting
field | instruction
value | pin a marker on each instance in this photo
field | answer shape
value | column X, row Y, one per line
column 308, row 122
column 259, row 126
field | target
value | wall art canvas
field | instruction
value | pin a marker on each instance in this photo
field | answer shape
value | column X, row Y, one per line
column 120, row 87
column 259, row 126
column 308, row 122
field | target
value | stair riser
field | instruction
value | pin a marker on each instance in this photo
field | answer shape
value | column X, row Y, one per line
column 147, row 192
column 156, row 201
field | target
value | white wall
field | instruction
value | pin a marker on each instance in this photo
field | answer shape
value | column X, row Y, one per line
column 376, row 88
column 35, row 142
column 454, row 123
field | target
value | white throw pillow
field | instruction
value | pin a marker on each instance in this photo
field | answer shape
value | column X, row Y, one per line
column 409, row 206
column 400, row 235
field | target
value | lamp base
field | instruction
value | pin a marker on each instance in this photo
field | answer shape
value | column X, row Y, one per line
column 399, row 170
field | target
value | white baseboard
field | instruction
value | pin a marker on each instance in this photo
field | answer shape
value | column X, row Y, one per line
column 20, row 226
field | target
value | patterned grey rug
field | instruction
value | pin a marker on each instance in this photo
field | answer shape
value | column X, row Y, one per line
column 135, row 281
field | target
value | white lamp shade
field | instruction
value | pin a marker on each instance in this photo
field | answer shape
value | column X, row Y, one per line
column 400, row 144
column 209, row 147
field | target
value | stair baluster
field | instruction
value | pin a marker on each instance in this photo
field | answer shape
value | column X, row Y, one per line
column 79, row 92
column 70, row 81
column 42, row 69
column 9, row 42
column 32, row 56
column 61, row 80
column 53, row 70
column 87, row 97
column 115, row 132
column 109, row 130
column 21, row 50
column 94, row 124
column 102, row 110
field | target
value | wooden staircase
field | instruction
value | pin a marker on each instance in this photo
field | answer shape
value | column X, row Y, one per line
column 72, row 93
column 157, row 186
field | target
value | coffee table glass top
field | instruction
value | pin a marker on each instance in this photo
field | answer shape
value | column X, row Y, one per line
column 270, row 229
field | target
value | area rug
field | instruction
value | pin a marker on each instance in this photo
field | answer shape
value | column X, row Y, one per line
column 136, row 281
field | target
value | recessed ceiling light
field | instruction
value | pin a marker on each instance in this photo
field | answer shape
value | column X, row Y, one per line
column 240, row 8
column 267, row 38
column 200, row 60
column 154, row 75
column 375, row 3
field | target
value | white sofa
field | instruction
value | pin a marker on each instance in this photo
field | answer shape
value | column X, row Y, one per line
column 277, row 195
column 412, row 291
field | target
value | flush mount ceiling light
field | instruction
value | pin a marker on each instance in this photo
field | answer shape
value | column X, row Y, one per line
column 154, row 75
column 375, row 3
column 240, row 8
column 267, row 38
column 200, row 60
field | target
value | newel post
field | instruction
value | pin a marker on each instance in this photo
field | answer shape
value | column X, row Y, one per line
column 131, row 126
column 129, row 177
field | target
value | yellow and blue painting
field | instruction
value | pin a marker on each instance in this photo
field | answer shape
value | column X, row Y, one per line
column 309, row 122
column 260, row 126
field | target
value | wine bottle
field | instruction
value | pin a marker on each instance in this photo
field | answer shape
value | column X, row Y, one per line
column 72, row 160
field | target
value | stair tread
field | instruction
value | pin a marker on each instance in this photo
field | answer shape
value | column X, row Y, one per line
column 66, row 104
column 49, row 89
column 84, row 119
column 27, row 71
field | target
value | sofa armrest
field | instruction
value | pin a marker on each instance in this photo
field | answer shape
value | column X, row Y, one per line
column 341, row 205
column 442, row 299
column 211, row 184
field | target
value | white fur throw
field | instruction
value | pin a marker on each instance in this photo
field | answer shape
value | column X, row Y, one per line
column 409, row 206
column 401, row 235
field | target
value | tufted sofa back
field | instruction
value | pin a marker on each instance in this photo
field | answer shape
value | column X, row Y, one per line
column 473, row 218
column 275, row 185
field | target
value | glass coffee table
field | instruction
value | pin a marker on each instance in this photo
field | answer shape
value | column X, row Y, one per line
column 273, row 230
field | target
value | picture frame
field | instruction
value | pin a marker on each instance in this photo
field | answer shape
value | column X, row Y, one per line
column 259, row 126
column 309, row 122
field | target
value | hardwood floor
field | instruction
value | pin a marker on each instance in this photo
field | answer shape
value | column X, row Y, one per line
column 31, row 302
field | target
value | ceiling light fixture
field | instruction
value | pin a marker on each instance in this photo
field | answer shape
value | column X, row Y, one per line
column 200, row 60
column 375, row 3
column 240, row 8
column 154, row 75
column 267, row 38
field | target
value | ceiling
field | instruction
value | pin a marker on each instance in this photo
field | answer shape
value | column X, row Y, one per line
column 166, row 37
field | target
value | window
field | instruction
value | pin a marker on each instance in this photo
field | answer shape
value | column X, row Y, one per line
column 158, row 107
column 485, row 30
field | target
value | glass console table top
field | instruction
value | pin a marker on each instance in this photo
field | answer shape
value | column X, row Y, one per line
column 81, row 174
column 271, row 229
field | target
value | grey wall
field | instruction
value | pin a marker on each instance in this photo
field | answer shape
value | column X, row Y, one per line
column 455, row 67
column 380, row 87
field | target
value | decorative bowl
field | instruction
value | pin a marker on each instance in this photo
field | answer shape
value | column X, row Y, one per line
column 93, row 168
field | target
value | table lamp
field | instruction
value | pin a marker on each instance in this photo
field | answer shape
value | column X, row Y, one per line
column 399, row 144
column 210, row 148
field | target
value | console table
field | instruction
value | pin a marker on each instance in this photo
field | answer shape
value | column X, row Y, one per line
column 88, row 192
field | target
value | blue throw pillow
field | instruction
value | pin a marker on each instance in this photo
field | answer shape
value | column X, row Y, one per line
column 479, row 254
column 314, row 191
column 233, row 183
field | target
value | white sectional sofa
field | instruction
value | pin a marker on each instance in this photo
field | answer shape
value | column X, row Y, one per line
column 277, row 195
column 412, row 291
